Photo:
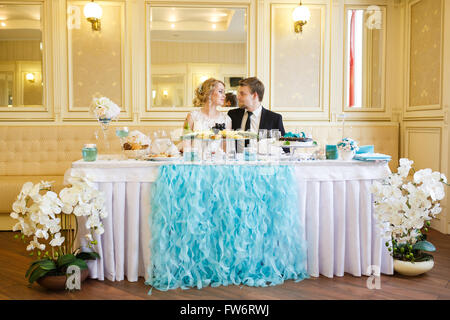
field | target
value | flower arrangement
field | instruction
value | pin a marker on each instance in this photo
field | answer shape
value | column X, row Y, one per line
column 46, row 219
column 104, row 109
column 347, row 144
column 404, row 208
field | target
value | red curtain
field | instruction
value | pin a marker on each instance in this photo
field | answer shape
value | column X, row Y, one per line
column 351, row 93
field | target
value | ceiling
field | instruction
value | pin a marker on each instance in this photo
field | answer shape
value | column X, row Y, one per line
column 20, row 22
column 198, row 24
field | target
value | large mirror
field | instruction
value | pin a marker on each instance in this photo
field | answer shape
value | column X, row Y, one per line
column 21, row 80
column 364, row 58
column 190, row 44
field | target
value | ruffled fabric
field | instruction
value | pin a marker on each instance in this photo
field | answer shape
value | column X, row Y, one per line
column 223, row 225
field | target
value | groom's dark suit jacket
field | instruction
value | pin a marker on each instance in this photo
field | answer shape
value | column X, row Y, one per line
column 269, row 120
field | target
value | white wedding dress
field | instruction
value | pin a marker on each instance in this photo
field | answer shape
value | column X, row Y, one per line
column 204, row 123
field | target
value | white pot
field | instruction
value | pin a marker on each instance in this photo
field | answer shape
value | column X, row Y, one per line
column 346, row 155
column 408, row 268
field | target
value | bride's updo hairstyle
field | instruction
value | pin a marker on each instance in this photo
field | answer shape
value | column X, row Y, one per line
column 203, row 92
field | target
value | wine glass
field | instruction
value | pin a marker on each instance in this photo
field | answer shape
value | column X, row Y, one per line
column 122, row 132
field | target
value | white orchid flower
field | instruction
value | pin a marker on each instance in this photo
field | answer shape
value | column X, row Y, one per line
column 57, row 240
column 40, row 233
column 99, row 230
column 19, row 206
column 26, row 188
column 34, row 244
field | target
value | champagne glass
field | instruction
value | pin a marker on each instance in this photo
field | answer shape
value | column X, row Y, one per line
column 122, row 133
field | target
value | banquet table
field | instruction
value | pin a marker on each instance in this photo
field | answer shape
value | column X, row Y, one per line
column 335, row 207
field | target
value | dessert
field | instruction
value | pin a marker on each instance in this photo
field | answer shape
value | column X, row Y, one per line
column 297, row 139
column 136, row 140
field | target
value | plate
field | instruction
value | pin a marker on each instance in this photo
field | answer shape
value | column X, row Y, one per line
column 162, row 158
column 296, row 145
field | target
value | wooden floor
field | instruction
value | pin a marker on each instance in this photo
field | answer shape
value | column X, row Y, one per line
column 433, row 285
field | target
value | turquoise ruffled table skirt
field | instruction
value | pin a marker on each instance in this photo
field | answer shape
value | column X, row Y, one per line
column 222, row 225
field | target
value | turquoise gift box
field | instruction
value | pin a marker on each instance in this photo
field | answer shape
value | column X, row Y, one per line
column 366, row 149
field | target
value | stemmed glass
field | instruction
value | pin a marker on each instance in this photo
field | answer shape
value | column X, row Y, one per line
column 275, row 136
column 122, row 133
column 262, row 143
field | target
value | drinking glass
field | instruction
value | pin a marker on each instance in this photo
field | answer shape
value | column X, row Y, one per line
column 122, row 132
column 274, row 149
column 230, row 148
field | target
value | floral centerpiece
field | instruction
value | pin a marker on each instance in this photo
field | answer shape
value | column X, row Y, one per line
column 44, row 219
column 104, row 110
column 347, row 148
column 404, row 207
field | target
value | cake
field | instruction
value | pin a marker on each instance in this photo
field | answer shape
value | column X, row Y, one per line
column 297, row 139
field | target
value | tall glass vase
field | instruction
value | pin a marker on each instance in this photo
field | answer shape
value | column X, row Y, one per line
column 104, row 123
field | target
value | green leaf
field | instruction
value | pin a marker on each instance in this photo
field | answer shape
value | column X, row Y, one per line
column 47, row 264
column 88, row 255
column 36, row 274
column 80, row 263
column 31, row 268
column 424, row 257
column 424, row 246
column 65, row 260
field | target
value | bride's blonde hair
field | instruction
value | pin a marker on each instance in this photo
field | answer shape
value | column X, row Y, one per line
column 203, row 92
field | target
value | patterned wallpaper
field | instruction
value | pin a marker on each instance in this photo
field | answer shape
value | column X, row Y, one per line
column 197, row 52
column 425, row 53
column 296, row 60
column 97, row 59
column 20, row 50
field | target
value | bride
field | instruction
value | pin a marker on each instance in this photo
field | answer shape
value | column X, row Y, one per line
column 209, row 96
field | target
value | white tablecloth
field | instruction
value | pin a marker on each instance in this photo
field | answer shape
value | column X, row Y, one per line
column 335, row 206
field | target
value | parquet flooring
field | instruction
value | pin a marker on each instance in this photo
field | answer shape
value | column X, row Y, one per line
column 434, row 285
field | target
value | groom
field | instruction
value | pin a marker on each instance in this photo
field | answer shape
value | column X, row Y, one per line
column 252, row 115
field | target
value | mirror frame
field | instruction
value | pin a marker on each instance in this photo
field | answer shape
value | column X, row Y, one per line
column 180, row 112
column 49, row 69
column 346, row 108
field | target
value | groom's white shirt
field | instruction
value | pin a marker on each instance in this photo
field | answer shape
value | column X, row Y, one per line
column 254, row 125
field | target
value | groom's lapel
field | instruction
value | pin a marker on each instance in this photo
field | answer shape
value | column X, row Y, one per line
column 263, row 117
column 239, row 116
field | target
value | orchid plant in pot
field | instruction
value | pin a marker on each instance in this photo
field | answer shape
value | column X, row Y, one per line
column 403, row 209
column 46, row 219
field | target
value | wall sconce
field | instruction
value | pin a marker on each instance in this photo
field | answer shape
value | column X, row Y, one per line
column 93, row 13
column 30, row 77
column 301, row 16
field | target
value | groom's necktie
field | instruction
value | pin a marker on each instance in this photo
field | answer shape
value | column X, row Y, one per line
column 247, row 125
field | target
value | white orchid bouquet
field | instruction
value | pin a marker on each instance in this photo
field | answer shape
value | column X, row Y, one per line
column 347, row 144
column 404, row 208
column 48, row 220
column 104, row 109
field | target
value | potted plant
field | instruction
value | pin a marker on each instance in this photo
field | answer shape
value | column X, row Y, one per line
column 403, row 209
column 347, row 149
column 44, row 219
